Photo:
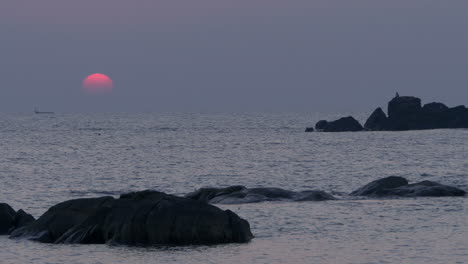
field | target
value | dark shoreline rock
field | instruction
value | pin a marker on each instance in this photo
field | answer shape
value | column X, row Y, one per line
column 399, row 187
column 140, row 218
column 240, row 194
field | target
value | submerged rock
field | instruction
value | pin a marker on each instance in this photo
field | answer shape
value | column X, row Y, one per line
column 398, row 186
column 309, row 129
column 344, row 124
column 11, row 220
column 240, row 194
column 140, row 218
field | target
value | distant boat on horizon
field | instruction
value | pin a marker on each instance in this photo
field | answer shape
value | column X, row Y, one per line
column 40, row 112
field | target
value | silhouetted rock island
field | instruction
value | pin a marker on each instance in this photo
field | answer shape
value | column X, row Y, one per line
column 404, row 113
column 140, row 218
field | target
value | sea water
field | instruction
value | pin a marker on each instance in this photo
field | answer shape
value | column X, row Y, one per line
column 47, row 159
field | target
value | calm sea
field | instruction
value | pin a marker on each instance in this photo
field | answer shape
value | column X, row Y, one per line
column 47, row 159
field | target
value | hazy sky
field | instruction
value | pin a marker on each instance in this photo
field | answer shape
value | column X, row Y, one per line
column 219, row 55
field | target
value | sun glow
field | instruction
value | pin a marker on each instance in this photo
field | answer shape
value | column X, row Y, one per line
column 98, row 83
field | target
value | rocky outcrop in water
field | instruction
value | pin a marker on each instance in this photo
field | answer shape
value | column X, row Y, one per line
column 7, row 215
column 240, row 194
column 11, row 220
column 399, row 186
column 344, row 124
column 140, row 218
column 377, row 121
column 404, row 113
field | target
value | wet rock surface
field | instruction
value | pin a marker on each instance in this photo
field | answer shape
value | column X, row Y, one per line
column 11, row 220
column 399, row 187
column 140, row 218
column 7, row 214
column 240, row 194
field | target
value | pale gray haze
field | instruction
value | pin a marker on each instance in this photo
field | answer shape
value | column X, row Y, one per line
column 239, row 55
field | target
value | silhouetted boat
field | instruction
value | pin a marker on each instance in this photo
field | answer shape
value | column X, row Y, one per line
column 40, row 112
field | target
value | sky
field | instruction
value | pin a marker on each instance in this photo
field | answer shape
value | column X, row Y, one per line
column 237, row 55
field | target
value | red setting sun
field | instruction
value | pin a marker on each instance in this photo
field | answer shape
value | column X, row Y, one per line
column 98, row 83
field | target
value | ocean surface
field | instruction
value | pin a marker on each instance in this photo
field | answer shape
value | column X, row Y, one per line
column 47, row 159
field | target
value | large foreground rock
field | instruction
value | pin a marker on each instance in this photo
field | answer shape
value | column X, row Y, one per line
column 240, row 194
column 398, row 186
column 141, row 218
column 11, row 220
column 344, row 124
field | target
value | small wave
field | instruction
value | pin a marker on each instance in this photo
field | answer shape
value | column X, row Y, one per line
column 163, row 129
column 94, row 129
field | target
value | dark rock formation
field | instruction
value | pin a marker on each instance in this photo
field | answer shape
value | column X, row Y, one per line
column 398, row 186
column 309, row 129
column 432, row 108
column 405, row 113
column 344, row 124
column 321, row 125
column 377, row 120
column 140, row 218
column 21, row 219
column 7, row 215
column 437, row 115
column 427, row 188
column 11, row 220
column 379, row 186
column 241, row 194
column 401, row 107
